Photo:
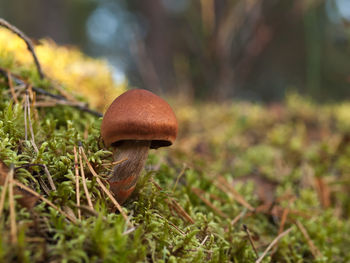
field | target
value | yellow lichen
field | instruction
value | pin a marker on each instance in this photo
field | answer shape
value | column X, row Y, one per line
column 91, row 78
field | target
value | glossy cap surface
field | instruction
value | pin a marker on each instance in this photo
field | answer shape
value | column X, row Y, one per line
column 139, row 115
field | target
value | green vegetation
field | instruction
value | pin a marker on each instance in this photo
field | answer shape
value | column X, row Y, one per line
column 233, row 164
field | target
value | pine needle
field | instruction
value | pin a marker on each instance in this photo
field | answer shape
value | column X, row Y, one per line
column 251, row 241
column 87, row 194
column 19, row 184
column 77, row 190
column 49, row 177
column 314, row 250
column 199, row 192
column 273, row 244
column 175, row 205
column 13, row 228
column 98, row 180
column 3, row 195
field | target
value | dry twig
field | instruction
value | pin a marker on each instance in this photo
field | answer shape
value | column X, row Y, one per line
column 80, row 106
column 28, row 42
column 245, row 228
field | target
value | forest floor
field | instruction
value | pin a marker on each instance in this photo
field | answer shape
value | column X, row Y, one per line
column 244, row 182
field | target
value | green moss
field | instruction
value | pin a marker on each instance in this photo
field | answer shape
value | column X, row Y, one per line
column 261, row 153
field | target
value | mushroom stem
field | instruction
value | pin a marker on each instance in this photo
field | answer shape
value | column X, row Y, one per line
column 125, row 174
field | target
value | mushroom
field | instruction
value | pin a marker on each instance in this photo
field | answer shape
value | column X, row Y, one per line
column 135, row 122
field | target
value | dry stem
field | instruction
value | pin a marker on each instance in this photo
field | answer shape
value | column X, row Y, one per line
column 77, row 190
column 245, row 228
column 49, row 177
column 314, row 250
column 200, row 193
column 84, row 180
column 175, row 205
column 3, row 195
column 13, row 229
column 44, row 199
column 28, row 42
column 273, row 244
column 81, row 149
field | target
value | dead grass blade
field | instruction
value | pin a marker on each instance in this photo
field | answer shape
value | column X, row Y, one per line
column 49, row 177
column 283, row 220
column 273, row 243
column 77, row 190
column 314, row 250
column 19, row 184
column 13, row 228
column 98, row 180
column 221, row 183
column 179, row 176
column 199, row 192
column 175, row 205
column 251, row 241
column 12, row 90
column 323, row 191
column 3, row 195
column 87, row 194
column 238, row 217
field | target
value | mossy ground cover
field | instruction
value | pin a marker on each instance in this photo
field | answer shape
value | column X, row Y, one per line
column 268, row 168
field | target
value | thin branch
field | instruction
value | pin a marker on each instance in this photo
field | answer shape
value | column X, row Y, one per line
column 98, row 180
column 79, row 106
column 84, row 181
column 245, row 228
column 12, row 90
column 28, row 42
column 273, row 244
column 77, row 191
column 13, row 228
column 72, row 219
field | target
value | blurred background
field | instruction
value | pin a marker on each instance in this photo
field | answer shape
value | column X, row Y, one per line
column 205, row 49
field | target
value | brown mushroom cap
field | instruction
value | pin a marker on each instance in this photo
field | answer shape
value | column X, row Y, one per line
column 139, row 115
